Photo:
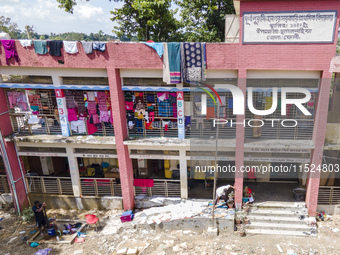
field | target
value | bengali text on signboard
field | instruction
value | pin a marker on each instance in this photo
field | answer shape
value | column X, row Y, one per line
column 289, row 27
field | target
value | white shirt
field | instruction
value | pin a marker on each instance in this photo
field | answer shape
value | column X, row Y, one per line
column 70, row 47
column 220, row 191
column 251, row 199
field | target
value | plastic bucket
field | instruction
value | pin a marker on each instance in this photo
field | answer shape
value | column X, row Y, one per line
column 51, row 231
column 299, row 194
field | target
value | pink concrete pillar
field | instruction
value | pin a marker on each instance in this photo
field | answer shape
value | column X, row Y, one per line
column 6, row 129
column 239, row 150
column 120, row 127
column 319, row 134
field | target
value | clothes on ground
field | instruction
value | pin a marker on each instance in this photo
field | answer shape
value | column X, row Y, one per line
column 55, row 47
column 40, row 47
column 43, row 251
column 87, row 47
column 193, row 61
column 158, row 47
column 221, row 190
column 10, row 51
column 70, row 47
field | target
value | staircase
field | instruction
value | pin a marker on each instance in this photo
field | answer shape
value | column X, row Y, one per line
column 280, row 218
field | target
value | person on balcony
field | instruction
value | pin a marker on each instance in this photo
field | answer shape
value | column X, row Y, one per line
column 39, row 214
column 221, row 193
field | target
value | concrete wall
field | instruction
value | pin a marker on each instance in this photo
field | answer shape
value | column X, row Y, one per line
column 333, row 133
column 70, row 202
column 329, row 209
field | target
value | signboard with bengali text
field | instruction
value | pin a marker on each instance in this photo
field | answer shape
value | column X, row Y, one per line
column 289, row 27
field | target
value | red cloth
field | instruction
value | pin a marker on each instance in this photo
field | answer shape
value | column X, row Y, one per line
column 251, row 174
column 143, row 182
column 91, row 128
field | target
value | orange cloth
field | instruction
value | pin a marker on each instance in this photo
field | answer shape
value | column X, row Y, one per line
column 210, row 112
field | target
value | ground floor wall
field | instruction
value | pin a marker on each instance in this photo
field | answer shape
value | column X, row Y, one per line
column 84, row 203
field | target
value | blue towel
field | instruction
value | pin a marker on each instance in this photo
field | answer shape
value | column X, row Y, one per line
column 99, row 46
column 174, row 55
column 158, row 47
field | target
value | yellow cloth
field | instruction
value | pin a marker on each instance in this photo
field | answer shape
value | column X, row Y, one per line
column 269, row 102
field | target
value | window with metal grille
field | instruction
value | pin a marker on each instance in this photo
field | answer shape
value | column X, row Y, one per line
column 85, row 80
column 34, row 79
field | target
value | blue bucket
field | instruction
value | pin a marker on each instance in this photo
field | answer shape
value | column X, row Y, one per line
column 51, row 231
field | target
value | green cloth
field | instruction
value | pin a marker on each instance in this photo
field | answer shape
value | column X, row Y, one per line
column 40, row 47
column 188, row 174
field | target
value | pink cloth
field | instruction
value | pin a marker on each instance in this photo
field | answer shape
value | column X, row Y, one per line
column 152, row 116
column 111, row 118
column 143, row 182
column 72, row 114
column 91, row 128
column 95, row 118
column 92, row 105
column 104, row 116
column 128, row 105
column 103, row 107
column 10, row 52
column 92, row 111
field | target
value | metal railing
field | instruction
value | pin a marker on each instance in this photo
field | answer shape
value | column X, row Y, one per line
column 329, row 195
column 202, row 128
column 4, row 187
column 100, row 187
column 48, row 124
column 303, row 130
column 140, row 129
column 162, row 187
column 49, row 185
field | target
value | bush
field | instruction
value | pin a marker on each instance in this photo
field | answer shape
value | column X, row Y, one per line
column 27, row 214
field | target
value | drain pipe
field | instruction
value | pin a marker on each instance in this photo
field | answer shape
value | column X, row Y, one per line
column 9, row 170
column 22, row 175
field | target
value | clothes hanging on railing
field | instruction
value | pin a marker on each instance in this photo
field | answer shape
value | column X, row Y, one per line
column 193, row 61
column 70, row 47
column 55, row 47
column 100, row 46
column 25, row 43
column 40, row 47
column 158, row 47
column 10, row 51
column 88, row 49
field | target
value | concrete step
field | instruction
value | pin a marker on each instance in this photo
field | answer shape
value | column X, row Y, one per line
column 276, row 219
column 279, row 205
column 276, row 212
column 279, row 226
column 280, row 232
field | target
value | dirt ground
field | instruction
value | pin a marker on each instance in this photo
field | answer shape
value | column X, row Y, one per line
column 114, row 235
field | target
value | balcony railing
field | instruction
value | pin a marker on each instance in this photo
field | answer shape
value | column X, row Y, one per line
column 162, row 187
column 329, row 195
column 48, row 124
column 49, row 185
column 201, row 128
column 303, row 130
column 4, row 188
column 140, row 130
column 100, row 187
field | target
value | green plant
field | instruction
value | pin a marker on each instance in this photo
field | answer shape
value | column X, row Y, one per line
column 27, row 214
